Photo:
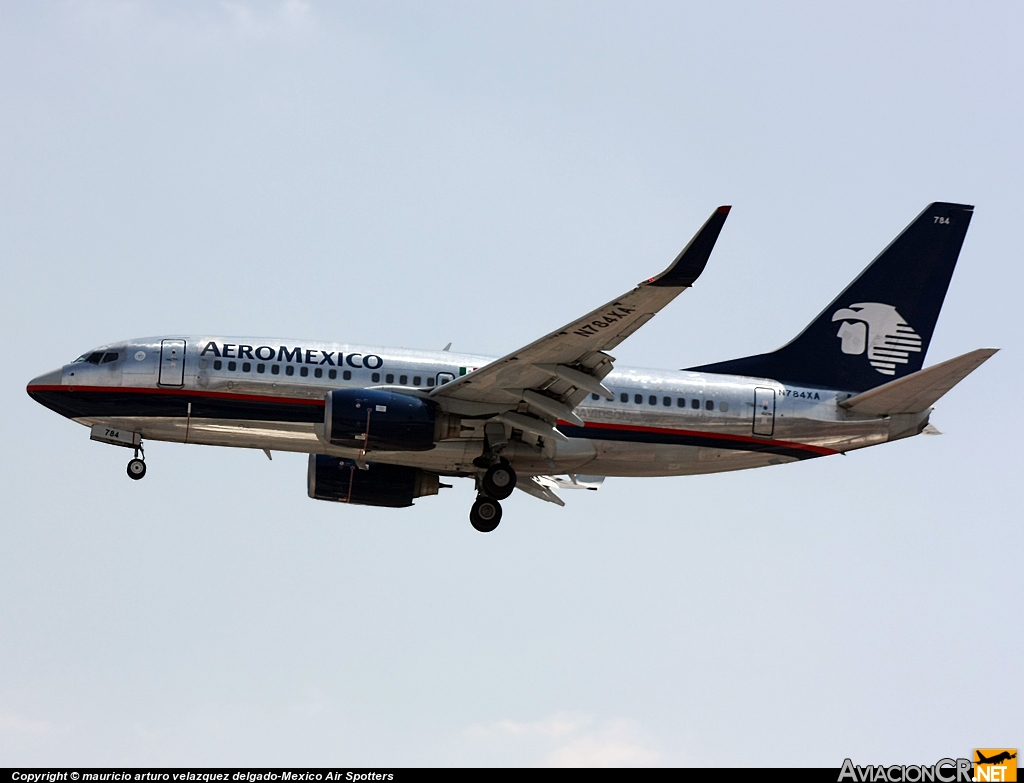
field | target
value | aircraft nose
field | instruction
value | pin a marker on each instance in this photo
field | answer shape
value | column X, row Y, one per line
column 51, row 378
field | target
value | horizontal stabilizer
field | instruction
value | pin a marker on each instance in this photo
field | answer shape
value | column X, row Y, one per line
column 918, row 391
column 539, row 488
column 575, row 481
column 544, row 487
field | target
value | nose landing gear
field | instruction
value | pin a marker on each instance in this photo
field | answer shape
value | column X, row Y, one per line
column 136, row 466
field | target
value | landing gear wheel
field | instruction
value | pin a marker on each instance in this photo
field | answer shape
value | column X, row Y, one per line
column 485, row 514
column 499, row 480
column 136, row 469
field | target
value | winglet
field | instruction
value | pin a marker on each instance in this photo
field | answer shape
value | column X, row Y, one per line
column 694, row 257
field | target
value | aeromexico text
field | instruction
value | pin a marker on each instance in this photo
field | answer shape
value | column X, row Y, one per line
column 266, row 353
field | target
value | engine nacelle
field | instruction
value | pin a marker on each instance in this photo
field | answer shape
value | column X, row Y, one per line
column 395, row 486
column 394, row 421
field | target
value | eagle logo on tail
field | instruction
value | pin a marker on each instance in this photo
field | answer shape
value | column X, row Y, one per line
column 881, row 331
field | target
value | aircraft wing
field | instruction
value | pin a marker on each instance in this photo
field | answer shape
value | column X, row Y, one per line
column 549, row 377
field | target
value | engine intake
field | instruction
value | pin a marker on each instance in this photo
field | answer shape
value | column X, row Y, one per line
column 387, row 421
column 394, row 486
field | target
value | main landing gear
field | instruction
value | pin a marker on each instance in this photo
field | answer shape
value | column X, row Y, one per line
column 485, row 514
column 496, row 484
column 136, row 466
column 499, row 481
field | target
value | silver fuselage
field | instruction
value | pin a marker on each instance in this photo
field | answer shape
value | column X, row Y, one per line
column 269, row 394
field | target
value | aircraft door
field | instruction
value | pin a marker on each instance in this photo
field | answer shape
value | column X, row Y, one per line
column 764, row 411
column 172, row 363
column 444, row 377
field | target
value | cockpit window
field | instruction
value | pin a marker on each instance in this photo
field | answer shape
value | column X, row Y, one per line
column 97, row 357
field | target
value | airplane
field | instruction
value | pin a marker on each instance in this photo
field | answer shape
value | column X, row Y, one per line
column 383, row 426
column 996, row 759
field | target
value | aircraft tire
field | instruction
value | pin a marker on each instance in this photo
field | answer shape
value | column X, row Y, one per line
column 500, row 480
column 136, row 469
column 485, row 514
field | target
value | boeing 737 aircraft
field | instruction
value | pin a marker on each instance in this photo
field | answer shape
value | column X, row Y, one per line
column 383, row 426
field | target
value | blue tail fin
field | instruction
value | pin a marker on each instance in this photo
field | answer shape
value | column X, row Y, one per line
column 879, row 328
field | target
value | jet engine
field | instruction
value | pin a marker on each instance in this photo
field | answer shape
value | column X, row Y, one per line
column 385, row 421
column 341, row 480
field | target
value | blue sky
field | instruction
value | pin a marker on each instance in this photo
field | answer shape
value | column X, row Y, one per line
column 414, row 174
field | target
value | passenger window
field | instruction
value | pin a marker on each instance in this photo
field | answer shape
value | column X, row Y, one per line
column 332, row 374
column 723, row 407
column 246, row 367
column 289, row 369
column 375, row 377
column 275, row 369
column 110, row 356
column 217, row 364
column 389, row 378
column 638, row 399
column 623, row 397
column 303, row 371
column 416, row 381
column 666, row 401
column 261, row 368
column 347, row 375
column 709, row 405
column 681, row 402
column 232, row 366
column 430, row 381
column 318, row 372
column 695, row 404
column 653, row 399
column 595, row 396
column 403, row 379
